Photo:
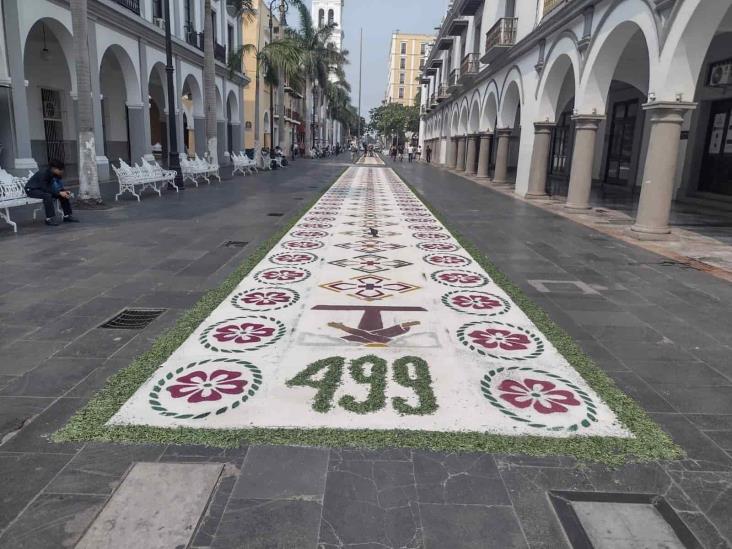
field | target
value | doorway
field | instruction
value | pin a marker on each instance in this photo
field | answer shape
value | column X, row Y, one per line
column 620, row 143
column 716, row 173
column 53, row 124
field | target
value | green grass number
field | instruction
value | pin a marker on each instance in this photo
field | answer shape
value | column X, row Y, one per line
column 376, row 378
column 326, row 385
column 421, row 384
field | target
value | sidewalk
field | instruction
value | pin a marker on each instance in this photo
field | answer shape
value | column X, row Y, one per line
column 662, row 333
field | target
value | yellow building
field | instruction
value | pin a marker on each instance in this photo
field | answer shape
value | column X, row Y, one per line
column 406, row 61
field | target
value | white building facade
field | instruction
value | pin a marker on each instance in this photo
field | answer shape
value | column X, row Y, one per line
column 327, row 130
column 555, row 95
column 128, row 81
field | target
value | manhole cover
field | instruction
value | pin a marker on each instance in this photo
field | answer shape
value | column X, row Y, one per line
column 275, row 214
column 234, row 244
column 133, row 319
column 599, row 520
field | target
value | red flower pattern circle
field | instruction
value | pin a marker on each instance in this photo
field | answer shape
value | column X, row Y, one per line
column 302, row 245
column 478, row 302
column 244, row 333
column 437, row 247
column 301, row 258
column 284, row 275
column 197, row 387
column 543, row 396
column 498, row 338
column 447, row 259
column 309, row 234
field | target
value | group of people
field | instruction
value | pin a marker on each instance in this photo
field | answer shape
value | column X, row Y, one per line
column 328, row 150
column 396, row 152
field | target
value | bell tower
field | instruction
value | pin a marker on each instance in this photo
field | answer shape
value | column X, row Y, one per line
column 329, row 11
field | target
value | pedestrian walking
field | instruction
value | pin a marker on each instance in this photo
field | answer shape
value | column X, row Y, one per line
column 48, row 185
column 428, row 154
column 410, row 152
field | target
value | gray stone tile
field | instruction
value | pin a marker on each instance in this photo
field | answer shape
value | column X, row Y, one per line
column 158, row 505
column 97, row 343
column 35, row 436
column 681, row 374
column 282, row 472
column 52, row 520
column 24, row 475
column 702, row 454
column 722, row 438
column 54, row 377
column 99, row 468
column 65, row 328
column 712, row 493
column 97, row 378
column 458, row 479
column 22, row 356
column 15, row 412
column 711, row 422
column 698, row 400
column 266, row 524
column 470, row 527
column 643, row 393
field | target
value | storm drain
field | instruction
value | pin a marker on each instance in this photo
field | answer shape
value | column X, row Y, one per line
column 275, row 214
column 133, row 319
column 598, row 520
column 234, row 244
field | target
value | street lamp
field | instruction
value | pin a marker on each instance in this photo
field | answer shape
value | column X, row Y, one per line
column 173, row 158
column 283, row 10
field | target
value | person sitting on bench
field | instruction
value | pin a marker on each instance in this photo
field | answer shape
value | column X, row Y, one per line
column 49, row 186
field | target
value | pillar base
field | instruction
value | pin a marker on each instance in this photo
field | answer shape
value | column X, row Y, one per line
column 577, row 209
column 535, row 196
column 471, row 174
column 483, row 177
column 649, row 235
column 503, row 183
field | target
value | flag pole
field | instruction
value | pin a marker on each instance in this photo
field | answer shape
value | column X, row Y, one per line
column 360, row 67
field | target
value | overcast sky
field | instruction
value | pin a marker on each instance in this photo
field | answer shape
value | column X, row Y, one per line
column 379, row 18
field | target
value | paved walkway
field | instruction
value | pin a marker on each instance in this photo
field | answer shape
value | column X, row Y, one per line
column 660, row 331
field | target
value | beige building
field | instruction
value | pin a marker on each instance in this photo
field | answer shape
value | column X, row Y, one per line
column 406, row 61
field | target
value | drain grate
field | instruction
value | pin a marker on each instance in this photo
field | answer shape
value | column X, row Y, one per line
column 275, row 214
column 234, row 244
column 133, row 319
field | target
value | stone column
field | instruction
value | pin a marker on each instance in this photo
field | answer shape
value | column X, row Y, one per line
column 23, row 160
column 540, row 159
column 136, row 123
column 221, row 137
column 102, row 161
column 471, row 155
column 460, row 163
column 144, row 93
column 501, row 174
column 580, row 176
column 659, row 174
column 451, row 153
column 236, row 138
column 199, row 132
column 484, row 155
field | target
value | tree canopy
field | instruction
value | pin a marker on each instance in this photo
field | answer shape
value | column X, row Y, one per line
column 394, row 119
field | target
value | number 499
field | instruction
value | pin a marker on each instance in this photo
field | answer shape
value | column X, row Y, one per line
column 327, row 375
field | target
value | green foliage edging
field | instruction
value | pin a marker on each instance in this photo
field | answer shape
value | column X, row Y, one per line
column 650, row 442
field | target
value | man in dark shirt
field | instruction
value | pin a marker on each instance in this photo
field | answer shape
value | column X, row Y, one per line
column 48, row 186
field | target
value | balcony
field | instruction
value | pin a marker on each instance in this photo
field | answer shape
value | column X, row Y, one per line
column 468, row 7
column 469, row 68
column 193, row 37
column 132, row 5
column 500, row 38
column 220, row 53
column 442, row 93
column 453, row 81
column 551, row 5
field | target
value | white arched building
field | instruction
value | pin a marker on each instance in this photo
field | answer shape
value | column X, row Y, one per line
column 128, row 81
column 328, row 131
column 553, row 95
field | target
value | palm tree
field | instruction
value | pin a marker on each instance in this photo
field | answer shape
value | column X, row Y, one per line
column 88, row 178
column 277, row 61
column 241, row 7
column 319, row 58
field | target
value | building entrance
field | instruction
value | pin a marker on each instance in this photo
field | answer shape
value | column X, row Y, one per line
column 716, row 173
column 620, row 143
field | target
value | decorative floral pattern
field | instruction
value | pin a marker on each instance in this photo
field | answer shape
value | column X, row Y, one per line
column 430, row 236
column 438, row 247
column 539, row 399
column 239, row 335
column 460, row 279
column 305, row 234
column 281, row 275
column 501, row 340
column 302, row 245
column 197, row 387
column 265, row 299
column 201, row 389
column 294, row 258
column 476, row 303
column 451, row 260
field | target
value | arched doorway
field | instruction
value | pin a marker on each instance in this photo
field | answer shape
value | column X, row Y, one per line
column 194, row 131
column 158, row 116
column 118, row 85
column 509, row 133
column 233, row 127
column 50, row 94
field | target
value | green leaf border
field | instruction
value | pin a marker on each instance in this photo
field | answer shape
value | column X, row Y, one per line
column 650, row 442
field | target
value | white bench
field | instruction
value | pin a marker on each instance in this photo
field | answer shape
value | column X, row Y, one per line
column 266, row 160
column 148, row 175
column 213, row 168
column 242, row 163
column 12, row 195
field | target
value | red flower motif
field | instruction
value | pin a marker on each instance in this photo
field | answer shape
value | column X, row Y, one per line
column 542, row 395
column 294, row 258
column 461, row 278
column 265, row 298
column 493, row 338
column 199, row 387
column 248, row 332
column 447, row 259
column 476, row 301
column 282, row 274
column 303, row 245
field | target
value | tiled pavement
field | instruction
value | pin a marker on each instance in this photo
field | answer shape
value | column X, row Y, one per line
column 662, row 333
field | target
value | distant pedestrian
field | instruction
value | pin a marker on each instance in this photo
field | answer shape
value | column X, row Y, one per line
column 393, row 153
column 48, row 185
column 428, row 154
column 410, row 152
column 400, row 149
column 419, row 152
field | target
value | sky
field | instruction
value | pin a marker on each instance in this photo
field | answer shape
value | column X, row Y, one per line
column 379, row 18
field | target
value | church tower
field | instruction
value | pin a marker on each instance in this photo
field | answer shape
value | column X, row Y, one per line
column 329, row 11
